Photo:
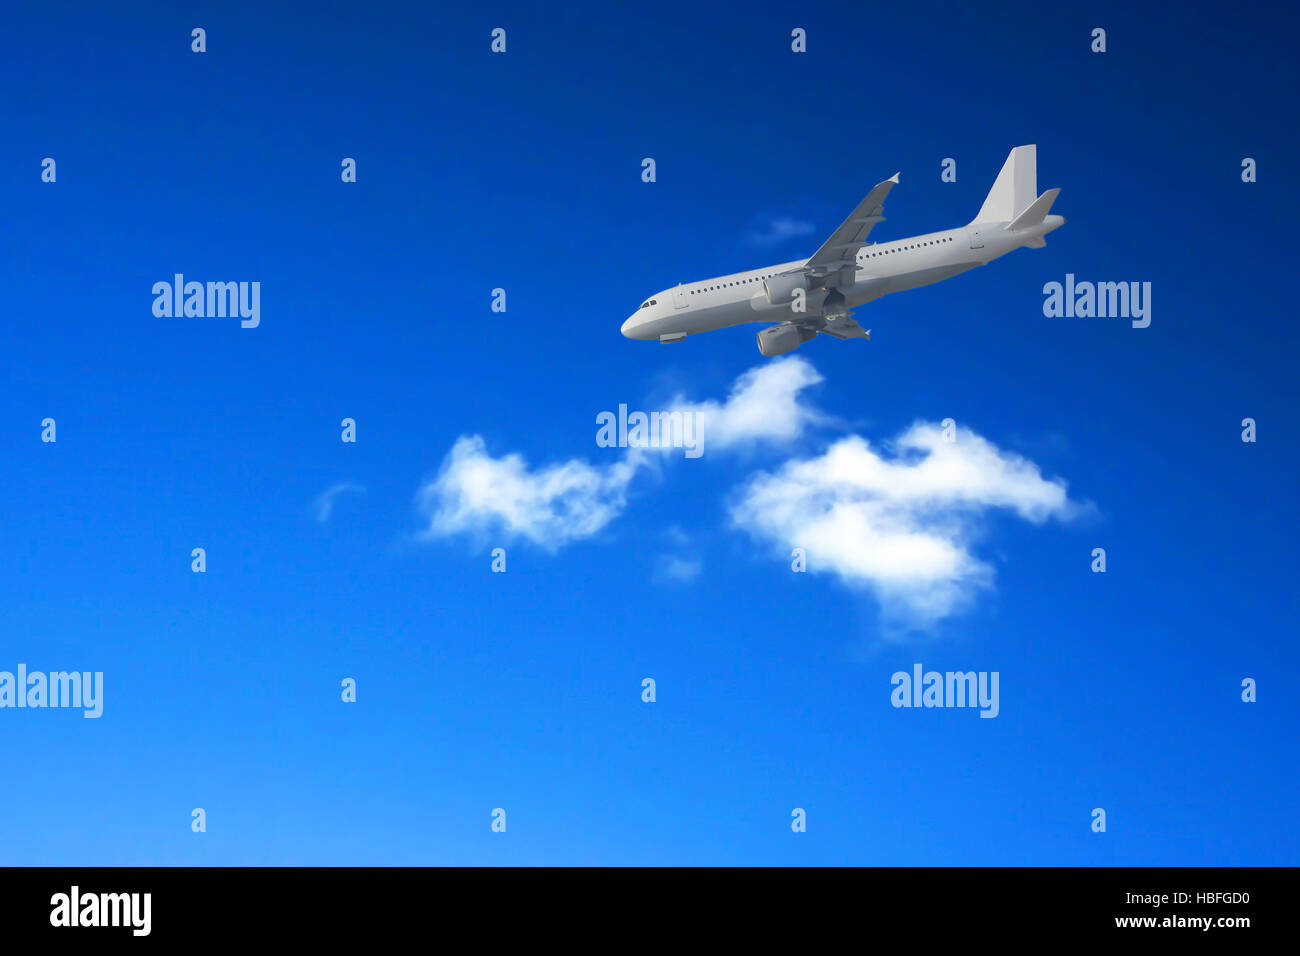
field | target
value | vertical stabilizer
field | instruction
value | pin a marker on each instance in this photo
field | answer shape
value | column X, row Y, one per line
column 1015, row 189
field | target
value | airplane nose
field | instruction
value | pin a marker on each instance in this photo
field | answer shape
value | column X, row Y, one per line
column 628, row 325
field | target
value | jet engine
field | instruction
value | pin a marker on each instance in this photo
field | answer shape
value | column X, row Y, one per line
column 786, row 337
column 781, row 289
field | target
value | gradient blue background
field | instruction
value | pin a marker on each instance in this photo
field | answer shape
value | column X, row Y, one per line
column 522, row 690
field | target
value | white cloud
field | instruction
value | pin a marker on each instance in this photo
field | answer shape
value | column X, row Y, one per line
column 475, row 493
column 552, row 506
column 765, row 405
column 900, row 525
column 778, row 229
column 899, row 522
column 324, row 504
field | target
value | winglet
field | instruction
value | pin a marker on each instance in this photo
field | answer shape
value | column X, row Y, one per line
column 894, row 178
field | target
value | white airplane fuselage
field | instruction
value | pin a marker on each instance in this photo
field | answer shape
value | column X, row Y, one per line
column 882, row 268
column 816, row 296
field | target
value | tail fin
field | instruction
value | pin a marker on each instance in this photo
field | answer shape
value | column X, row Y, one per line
column 1015, row 189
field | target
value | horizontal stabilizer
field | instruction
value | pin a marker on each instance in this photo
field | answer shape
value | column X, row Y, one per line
column 1036, row 212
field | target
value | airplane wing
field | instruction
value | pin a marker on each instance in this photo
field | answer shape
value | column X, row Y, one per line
column 840, row 251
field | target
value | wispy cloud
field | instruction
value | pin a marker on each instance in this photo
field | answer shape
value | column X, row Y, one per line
column 324, row 504
column 476, row 493
column 679, row 566
column 677, row 569
column 775, row 230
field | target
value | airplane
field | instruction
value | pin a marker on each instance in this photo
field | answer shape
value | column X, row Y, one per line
column 817, row 295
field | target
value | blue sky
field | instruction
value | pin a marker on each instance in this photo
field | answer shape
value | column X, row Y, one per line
column 523, row 690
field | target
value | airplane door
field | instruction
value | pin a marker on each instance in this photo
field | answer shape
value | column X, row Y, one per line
column 975, row 241
column 679, row 298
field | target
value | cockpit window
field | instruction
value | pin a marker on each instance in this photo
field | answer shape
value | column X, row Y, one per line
column 648, row 303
